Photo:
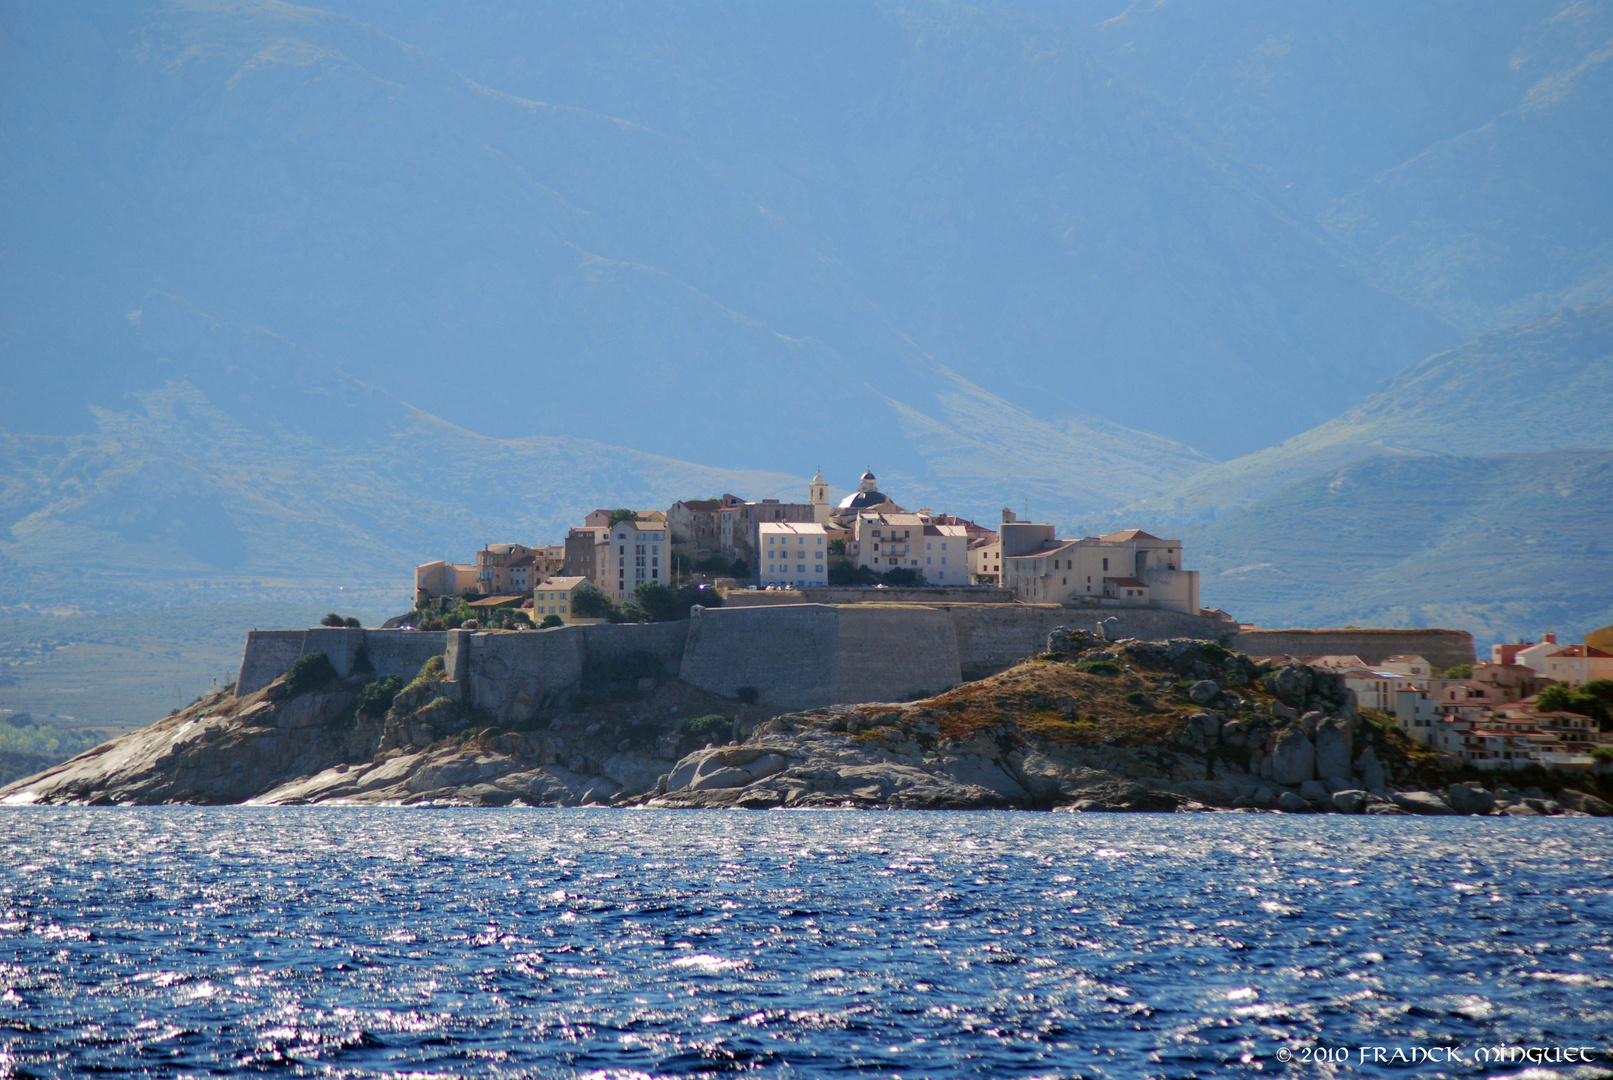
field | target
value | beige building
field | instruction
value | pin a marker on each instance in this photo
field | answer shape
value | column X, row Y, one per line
column 502, row 569
column 638, row 551
column 553, row 596
column 441, row 578
column 1131, row 568
column 885, row 541
column 1577, row 665
column 792, row 553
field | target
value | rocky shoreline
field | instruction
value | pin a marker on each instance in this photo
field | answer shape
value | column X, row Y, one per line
column 1089, row 726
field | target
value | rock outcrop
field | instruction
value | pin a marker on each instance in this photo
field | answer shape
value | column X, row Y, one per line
column 1092, row 726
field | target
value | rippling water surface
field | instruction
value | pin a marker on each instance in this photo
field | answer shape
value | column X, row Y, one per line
column 169, row 942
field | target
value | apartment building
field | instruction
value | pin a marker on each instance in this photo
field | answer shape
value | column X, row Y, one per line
column 792, row 553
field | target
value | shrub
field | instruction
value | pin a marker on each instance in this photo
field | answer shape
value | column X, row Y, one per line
column 711, row 728
column 1602, row 755
column 713, row 564
column 903, row 576
column 659, row 603
column 632, row 611
column 309, row 672
column 622, row 514
column 588, row 602
column 431, row 672
column 1460, row 671
column 846, row 572
column 1099, row 667
column 837, row 546
column 333, row 619
column 747, row 694
column 1594, row 699
column 740, row 569
column 550, row 621
column 353, row 623
column 376, row 697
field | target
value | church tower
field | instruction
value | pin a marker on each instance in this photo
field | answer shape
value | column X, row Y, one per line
column 818, row 496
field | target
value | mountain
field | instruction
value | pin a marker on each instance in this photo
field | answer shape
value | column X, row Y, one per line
column 1544, row 384
column 1502, row 547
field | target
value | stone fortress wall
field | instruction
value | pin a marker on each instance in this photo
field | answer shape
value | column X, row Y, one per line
column 797, row 655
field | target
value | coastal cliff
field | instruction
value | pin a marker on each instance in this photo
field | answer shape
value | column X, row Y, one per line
column 1180, row 725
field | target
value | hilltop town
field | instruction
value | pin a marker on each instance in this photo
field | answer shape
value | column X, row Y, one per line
column 615, row 565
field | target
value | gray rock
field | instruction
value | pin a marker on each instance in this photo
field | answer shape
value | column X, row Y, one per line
column 1421, row 802
column 1370, row 770
column 1309, row 722
column 1109, row 629
column 1291, row 803
column 1313, row 791
column 1290, row 683
column 1235, row 733
column 1520, row 810
column 1058, row 640
column 1283, row 712
column 1349, row 801
column 1204, row 691
column 1293, row 758
column 1333, row 747
column 1383, row 808
column 1470, row 799
column 1585, row 804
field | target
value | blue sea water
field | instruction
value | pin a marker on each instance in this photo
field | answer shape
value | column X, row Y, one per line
column 627, row 944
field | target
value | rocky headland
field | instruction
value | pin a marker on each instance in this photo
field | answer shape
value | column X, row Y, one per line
column 1088, row 726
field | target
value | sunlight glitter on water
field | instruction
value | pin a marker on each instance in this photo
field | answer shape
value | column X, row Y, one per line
column 633, row 943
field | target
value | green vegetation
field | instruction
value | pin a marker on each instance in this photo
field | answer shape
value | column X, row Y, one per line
column 1137, row 698
column 713, row 564
column 1594, row 699
column 621, row 514
column 1099, row 667
column 1460, row 671
column 27, row 746
column 846, row 572
column 713, row 728
column 740, row 569
column 632, row 611
column 588, row 602
column 334, row 619
column 550, row 622
column 309, row 672
column 1602, row 755
column 432, row 671
column 747, row 694
column 837, row 546
column 662, row 604
column 376, row 697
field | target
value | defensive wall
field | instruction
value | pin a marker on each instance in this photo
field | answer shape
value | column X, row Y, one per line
column 796, row 655
column 1442, row 648
column 870, row 594
column 269, row 653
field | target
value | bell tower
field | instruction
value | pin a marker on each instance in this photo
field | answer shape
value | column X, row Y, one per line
column 818, row 496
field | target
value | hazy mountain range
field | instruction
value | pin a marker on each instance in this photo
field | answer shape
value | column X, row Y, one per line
column 291, row 299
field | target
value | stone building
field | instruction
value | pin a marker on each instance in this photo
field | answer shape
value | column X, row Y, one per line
column 585, row 551
column 503, row 569
column 442, row 578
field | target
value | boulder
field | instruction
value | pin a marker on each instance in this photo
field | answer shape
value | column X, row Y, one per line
column 1109, row 629
column 1058, row 640
column 1291, row 803
column 1235, row 734
column 1292, row 758
column 1333, row 747
column 1585, row 804
column 1349, row 801
column 1470, row 799
column 1421, row 802
column 1370, row 770
column 1290, row 683
column 1520, row 810
column 1204, row 691
column 1313, row 791
column 1309, row 722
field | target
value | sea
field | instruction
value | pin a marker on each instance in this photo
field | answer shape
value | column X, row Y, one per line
column 629, row 944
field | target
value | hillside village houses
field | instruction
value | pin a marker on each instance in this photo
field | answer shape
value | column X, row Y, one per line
column 1489, row 717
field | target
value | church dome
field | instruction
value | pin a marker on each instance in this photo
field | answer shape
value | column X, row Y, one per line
column 864, row 500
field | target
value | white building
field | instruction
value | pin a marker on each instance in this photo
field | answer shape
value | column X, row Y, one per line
column 1577, row 665
column 638, row 552
column 1130, row 568
column 792, row 553
column 946, row 555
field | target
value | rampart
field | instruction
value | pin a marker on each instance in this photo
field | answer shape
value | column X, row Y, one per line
column 803, row 656
column 269, row 653
column 870, row 594
column 795, row 655
column 1442, row 648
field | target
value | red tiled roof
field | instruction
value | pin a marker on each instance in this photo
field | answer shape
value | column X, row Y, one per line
column 1583, row 650
column 1128, row 582
column 1127, row 534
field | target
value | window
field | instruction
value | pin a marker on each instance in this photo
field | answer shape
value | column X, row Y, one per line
column 928, row 545
column 1106, row 564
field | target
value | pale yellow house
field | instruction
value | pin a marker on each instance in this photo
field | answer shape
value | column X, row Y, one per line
column 553, row 596
column 792, row 553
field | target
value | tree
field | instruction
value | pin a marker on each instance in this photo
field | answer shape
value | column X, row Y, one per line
column 632, row 611
column 353, row 623
column 333, row 619
column 659, row 602
column 1594, row 699
column 903, row 576
column 376, row 697
column 309, row 672
column 739, row 569
column 588, row 602
column 837, row 546
column 621, row 514
column 1460, row 671
column 550, row 621
column 846, row 572
column 713, row 564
